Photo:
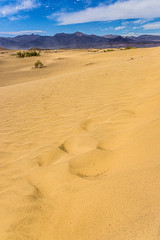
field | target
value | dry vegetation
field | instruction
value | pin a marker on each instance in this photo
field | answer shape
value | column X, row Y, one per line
column 27, row 54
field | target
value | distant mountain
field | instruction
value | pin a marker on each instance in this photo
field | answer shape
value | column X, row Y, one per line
column 110, row 36
column 8, row 43
column 79, row 34
column 63, row 40
column 77, row 40
column 120, row 39
column 25, row 38
column 146, row 38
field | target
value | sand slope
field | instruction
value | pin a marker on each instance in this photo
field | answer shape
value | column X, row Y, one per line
column 79, row 146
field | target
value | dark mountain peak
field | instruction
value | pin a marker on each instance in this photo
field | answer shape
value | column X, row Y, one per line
column 60, row 34
column 120, row 39
column 79, row 34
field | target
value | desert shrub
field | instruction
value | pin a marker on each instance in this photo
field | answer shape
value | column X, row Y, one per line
column 129, row 47
column 38, row 64
column 93, row 50
column 28, row 54
column 108, row 50
column 20, row 54
column 33, row 53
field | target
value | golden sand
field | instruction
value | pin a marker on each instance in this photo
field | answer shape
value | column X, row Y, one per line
column 80, row 146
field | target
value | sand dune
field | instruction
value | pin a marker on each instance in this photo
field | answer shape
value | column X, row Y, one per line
column 79, row 146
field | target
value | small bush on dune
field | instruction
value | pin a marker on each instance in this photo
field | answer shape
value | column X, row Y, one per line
column 28, row 54
column 129, row 47
column 108, row 50
column 20, row 54
column 38, row 64
column 34, row 53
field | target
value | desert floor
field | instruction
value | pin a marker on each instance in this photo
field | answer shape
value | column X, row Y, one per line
column 80, row 146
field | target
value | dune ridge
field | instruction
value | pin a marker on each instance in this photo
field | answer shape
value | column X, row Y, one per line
column 79, row 148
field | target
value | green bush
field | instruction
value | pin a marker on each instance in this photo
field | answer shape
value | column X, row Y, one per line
column 108, row 50
column 129, row 47
column 28, row 54
column 21, row 54
column 38, row 64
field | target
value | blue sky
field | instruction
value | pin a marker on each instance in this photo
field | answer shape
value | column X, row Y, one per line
column 48, row 17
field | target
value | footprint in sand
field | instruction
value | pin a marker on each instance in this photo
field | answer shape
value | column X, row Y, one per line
column 88, row 125
column 48, row 157
column 78, row 144
column 91, row 164
column 112, row 142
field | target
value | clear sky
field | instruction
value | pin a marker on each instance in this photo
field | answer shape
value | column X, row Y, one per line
column 101, row 17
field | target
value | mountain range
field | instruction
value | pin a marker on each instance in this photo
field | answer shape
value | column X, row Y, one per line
column 77, row 40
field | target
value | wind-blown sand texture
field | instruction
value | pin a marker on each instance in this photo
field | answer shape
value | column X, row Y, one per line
column 80, row 146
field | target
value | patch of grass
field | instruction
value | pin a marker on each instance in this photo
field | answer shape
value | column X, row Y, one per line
column 27, row 54
column 38, row 64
